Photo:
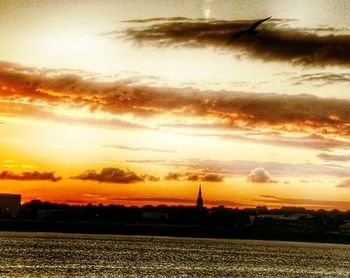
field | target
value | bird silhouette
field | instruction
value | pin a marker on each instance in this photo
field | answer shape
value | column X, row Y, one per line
column 251, row 31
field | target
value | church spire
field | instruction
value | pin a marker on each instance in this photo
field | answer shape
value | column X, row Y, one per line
column 199, row 198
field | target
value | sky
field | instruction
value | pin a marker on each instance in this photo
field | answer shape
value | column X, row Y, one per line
column 139, row 102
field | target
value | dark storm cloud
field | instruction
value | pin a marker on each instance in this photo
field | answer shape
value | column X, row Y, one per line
column 234, row 109
column 110, row 174
column 273, row 43
column 29, row 176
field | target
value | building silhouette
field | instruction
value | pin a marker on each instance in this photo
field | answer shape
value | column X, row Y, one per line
column 10, row 204
column 199, row 204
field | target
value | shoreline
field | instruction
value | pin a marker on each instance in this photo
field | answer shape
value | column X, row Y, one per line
column 166, row 230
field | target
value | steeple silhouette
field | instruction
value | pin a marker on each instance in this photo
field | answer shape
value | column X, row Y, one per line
column 199, row 198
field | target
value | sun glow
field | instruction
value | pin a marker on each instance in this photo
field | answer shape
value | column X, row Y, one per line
column 73, row 44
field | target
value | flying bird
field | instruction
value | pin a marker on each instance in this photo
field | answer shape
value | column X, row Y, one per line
column 251, row 31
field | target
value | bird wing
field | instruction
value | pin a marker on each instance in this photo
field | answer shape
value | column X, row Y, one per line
column 235, row 36
column 256, row 24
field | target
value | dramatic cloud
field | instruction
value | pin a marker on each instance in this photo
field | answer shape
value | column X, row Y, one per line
column 297, row 113
column 273, row 43
column 260, row 175
column 110, row 174
column 190, row 176
column 334, row 157
column 29, row 176
column 123, row 147
column 344, row 184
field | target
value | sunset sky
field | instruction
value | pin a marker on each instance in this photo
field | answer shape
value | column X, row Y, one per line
column 139, row 102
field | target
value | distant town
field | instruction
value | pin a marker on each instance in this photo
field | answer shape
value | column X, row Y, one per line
column 286, row 223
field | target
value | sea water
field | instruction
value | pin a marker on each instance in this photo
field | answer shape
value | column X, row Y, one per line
column 79, row 255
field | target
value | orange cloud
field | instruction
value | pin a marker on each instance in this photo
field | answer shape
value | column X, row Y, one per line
column 114, row 175
column 260, row 175
column 232, row 110
column 195, row 176
column 344, row 184
column 28, row 176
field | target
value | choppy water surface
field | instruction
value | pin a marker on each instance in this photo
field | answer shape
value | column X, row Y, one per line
column 76, row 255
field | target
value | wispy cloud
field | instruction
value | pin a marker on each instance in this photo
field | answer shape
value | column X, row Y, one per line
column 183, row 201
column 301, row 46
column 244, row 168
column 38, row 111
column 344, row 184
column 123, row 147
column 303, row 202
column 311, row 141
column 334, row 157
column 322, row 78
column 160, row 19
